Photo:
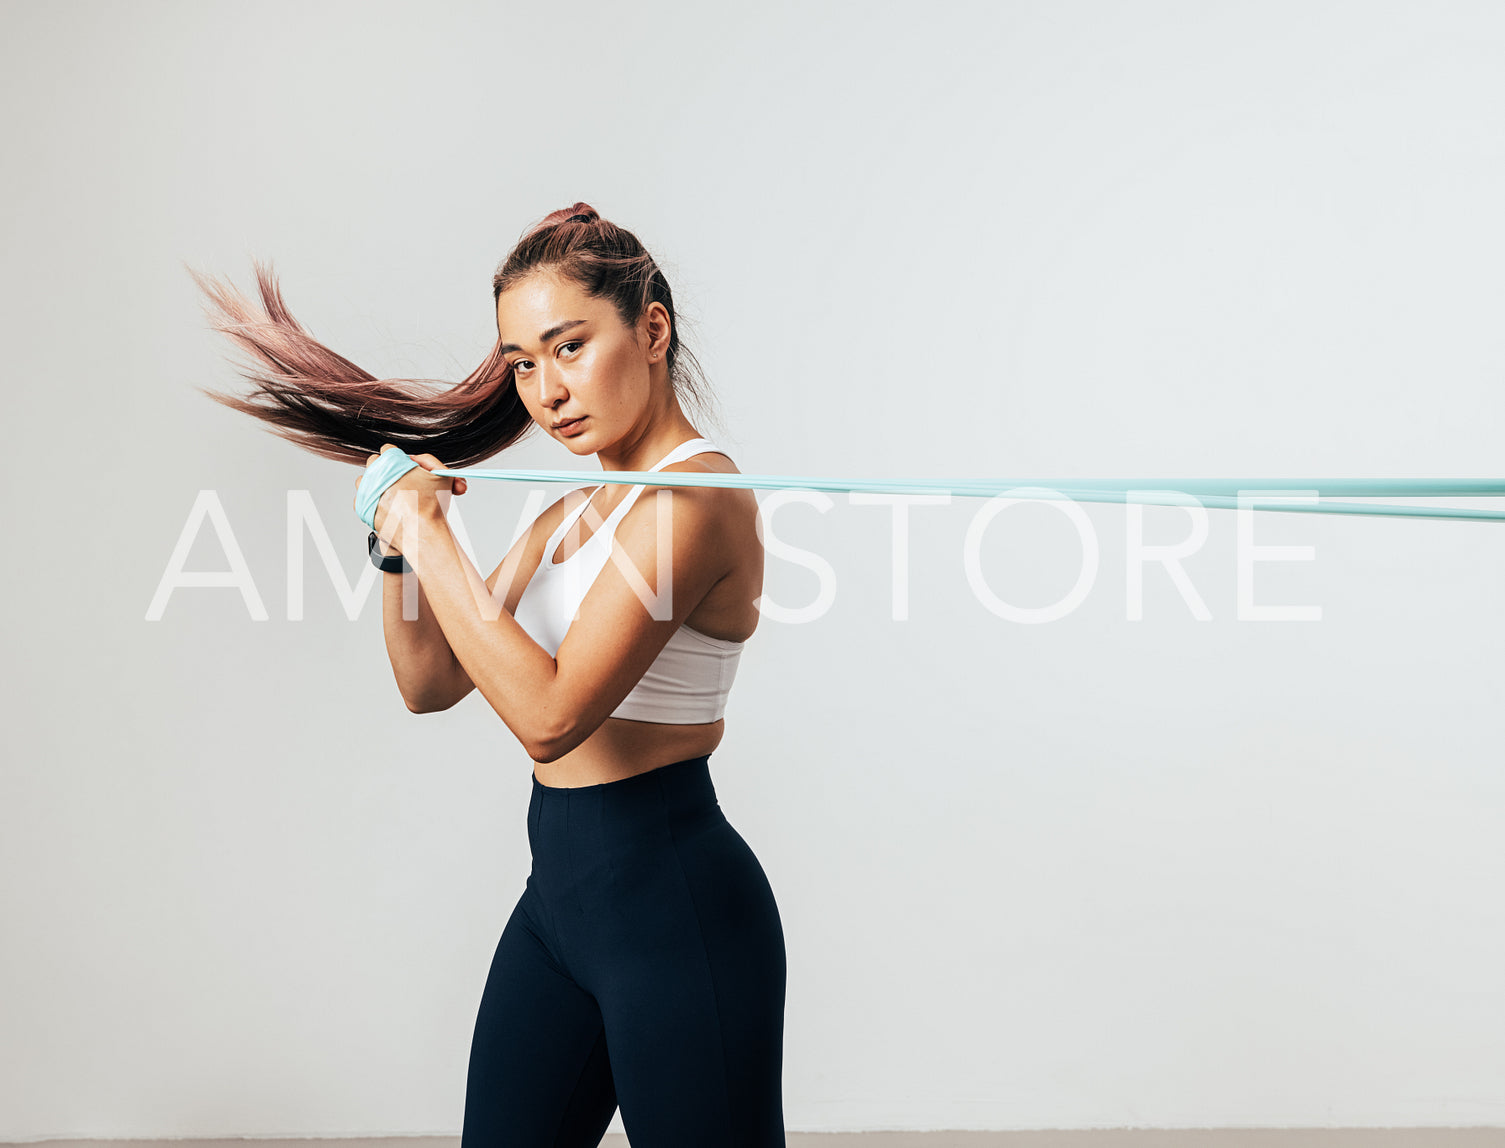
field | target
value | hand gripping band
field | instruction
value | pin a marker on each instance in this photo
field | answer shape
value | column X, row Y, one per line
column 389, row 466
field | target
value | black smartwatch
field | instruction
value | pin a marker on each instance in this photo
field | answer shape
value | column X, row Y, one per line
column 389, row 564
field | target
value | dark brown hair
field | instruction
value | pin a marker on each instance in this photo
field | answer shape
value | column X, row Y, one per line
column 323, row 402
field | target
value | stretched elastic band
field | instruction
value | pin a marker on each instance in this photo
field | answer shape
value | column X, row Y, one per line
column 1216, row 493
column 389, row 466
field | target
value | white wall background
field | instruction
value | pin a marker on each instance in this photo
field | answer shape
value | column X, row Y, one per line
column 1093, row 872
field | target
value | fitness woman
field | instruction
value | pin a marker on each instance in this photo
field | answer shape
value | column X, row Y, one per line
column 644, row 964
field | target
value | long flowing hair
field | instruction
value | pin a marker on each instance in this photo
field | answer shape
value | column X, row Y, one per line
column 321, row 401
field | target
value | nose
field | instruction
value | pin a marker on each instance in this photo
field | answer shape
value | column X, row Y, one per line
column 551, row 388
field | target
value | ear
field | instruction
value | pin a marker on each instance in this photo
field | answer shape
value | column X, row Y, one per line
column 655, row 328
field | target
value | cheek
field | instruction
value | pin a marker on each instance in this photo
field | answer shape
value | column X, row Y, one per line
column 595, row 371
column 622, row 367
column 528, row 395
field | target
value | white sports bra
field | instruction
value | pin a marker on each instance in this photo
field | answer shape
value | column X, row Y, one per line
column 689, row 681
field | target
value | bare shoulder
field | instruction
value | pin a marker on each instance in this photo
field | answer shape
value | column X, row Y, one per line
column 720, row 510
column 722, row 545
column 733, row 507
column 726, row 498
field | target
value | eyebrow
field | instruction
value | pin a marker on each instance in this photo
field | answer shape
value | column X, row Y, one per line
column 552, row 333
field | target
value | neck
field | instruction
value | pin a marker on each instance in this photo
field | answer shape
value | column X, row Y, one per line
column 642, row 449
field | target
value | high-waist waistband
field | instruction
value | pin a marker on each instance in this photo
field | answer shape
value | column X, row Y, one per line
column 681, row 789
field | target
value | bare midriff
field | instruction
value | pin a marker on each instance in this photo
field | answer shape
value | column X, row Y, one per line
column 621, row 747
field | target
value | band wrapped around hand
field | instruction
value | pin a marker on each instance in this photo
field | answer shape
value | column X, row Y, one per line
column 389, row 466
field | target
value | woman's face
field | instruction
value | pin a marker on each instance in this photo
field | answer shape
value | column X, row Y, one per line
column 572, row 358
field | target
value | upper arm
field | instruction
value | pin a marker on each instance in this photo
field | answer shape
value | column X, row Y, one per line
column 667, row 553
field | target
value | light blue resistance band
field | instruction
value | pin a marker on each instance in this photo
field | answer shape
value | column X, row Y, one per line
column 389, row 466
column 1215, row 493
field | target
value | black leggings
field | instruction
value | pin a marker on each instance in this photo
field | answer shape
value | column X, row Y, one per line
column 643, row 966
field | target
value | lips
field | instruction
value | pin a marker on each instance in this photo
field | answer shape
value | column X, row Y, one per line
column 567, row 423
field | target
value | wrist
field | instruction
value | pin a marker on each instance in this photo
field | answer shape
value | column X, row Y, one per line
column 384, row 558
column 420, row 534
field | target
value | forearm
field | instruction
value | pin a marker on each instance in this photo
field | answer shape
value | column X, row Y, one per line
column 428, row 674
column 514, row 673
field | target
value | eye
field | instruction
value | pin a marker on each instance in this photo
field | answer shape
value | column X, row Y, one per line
column 517, row 364
column 572, row 343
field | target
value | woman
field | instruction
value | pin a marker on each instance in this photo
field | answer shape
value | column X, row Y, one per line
column 644, row 964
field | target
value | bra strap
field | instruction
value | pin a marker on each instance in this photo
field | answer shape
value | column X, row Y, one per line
column 684, row 450
column 701, row 445
column 677, row 454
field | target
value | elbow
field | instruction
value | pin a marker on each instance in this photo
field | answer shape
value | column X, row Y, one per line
column 539, row 754
column 427, row 705
column 435, row 692
column 545, row 749
column 550, row 743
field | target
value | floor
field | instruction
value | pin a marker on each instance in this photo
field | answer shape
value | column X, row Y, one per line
column 1108, row 1138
